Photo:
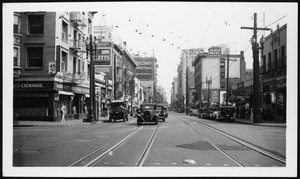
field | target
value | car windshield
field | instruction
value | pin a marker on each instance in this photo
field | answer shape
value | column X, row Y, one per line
column 116, row 105
column 148, row 107
column 159, row 107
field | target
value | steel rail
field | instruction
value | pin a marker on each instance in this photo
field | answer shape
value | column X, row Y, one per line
column 261, row 150
column 237, row 162
column 147, row 148
column 103, row 147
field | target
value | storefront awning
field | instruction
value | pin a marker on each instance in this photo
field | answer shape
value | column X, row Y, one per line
column 65, row 93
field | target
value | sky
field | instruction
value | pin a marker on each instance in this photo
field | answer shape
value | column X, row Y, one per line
column 163, row 29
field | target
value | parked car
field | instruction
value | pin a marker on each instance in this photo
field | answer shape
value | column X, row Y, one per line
column 202, row 113
column 162, row 112
column 118, row 110
column 193, row 112
column 216, row 111
column 227, row 113
column 147, row 113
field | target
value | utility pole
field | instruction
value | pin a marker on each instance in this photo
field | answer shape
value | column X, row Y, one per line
column 208, row 82
column 256, row 90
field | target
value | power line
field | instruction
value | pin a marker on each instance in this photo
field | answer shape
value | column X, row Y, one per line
column 145, row 35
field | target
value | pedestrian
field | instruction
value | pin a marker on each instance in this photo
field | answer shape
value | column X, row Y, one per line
column 63, row 110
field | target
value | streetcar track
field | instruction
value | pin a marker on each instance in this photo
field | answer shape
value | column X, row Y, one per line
column 147, row 148
column 96, row 156
column 90, row 155
column 258, row 149
column 269, row 153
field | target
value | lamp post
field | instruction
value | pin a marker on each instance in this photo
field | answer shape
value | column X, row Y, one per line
column 92, row 48
column 256, row 89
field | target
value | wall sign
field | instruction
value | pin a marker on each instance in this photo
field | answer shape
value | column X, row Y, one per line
column 103, row 57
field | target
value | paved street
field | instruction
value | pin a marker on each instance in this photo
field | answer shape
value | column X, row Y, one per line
column 180, row 141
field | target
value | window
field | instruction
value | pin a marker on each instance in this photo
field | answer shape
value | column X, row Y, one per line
column 269, row 62
column 90, row 26
column 275, row 60
column 264, row 63
column 64, row 35
column 222, row 74
column 282, row 56
column 222, row 64
column 16, row 24
column 222, row 85
column 36, row 24
column 64, row 59
column 35, row 57
column 16, row 56
column 74, row 65
column 79, row 69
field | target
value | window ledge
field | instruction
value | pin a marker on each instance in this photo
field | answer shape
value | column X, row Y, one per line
column 17, row 34
column 33, row 69
column 34, row 35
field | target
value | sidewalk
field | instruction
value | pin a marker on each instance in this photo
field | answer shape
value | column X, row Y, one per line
column 263, row 123
column 57, row 123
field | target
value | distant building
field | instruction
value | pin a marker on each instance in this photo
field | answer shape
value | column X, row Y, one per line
column 146, row 72
column 213, row 65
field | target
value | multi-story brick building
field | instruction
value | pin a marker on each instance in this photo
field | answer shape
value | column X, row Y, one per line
column 53, row 65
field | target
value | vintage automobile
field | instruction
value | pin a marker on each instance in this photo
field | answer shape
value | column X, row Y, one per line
column 216, row 111
column 227, row 113
column 118, row 110
column 202, row 113
column 147, row 113
column 162, row 112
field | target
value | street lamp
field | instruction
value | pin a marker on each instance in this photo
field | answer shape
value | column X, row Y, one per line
column 92, row 48
column 256, row 89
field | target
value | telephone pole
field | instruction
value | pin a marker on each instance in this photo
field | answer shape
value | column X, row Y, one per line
column 256, row 90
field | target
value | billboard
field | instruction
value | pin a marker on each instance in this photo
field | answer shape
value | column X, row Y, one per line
column 104, row 54
column 145, row 69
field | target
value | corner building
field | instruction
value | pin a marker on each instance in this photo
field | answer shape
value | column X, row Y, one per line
column 52, row 67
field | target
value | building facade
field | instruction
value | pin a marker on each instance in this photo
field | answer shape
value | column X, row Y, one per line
column 146, row 72
column 211, row 76
column 186, row 83
column 273, row 74
column 53, row 66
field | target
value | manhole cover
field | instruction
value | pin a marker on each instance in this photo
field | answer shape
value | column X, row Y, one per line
column 199, row 145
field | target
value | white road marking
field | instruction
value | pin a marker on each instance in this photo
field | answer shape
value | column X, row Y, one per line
column 208, row 164
column 174, row 163
column 257, row 165
column 121, row 163
column 157, row 163
column 226, row 165
column 106, row 163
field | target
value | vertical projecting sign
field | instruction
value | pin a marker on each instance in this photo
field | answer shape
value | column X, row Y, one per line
column 104, row 53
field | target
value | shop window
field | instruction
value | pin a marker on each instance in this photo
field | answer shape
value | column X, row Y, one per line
column 64, row 60
column 16, row 56
column 64, row 35
column 35, row 57
column 17, row 24
column 36, row 24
